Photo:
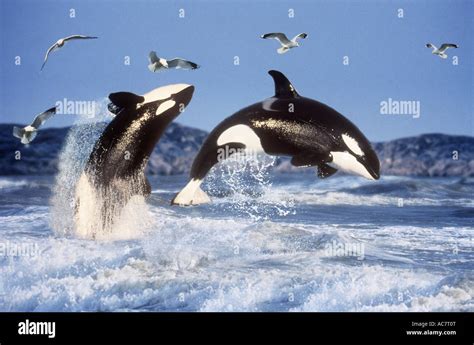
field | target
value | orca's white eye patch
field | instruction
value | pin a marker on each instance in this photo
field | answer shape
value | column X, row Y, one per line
column 165, row 106
column 352, row 145
column 164, row 92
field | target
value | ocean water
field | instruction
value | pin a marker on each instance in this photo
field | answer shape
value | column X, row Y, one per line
column 268, row 242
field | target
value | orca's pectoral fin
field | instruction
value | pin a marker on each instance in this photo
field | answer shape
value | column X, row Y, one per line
column 314, row 159
column 305, row 159
column 325, row 170
column 125, row 99
column 300, row 161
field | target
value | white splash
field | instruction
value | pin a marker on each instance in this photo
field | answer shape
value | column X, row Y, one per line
column 246, row 178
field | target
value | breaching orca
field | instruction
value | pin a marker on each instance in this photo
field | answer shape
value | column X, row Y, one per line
column 114, row 171
column 287, row 124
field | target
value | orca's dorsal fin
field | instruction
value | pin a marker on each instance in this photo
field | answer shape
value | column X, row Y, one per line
column 125, row 99
column 283, row 87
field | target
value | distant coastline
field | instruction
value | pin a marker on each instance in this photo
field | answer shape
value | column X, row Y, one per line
column 436, row 155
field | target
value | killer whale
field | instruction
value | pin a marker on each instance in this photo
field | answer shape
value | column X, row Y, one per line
column 114, row 171
column 287, row 124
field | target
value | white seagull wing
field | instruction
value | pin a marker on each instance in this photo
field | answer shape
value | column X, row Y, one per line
column 280, row 37
column 55, row 45
column 301, row 35
column 181, row 63
column 18, row 132
column 41, row 118
column 446, row 46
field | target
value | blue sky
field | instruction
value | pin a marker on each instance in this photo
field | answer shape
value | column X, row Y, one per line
column 387, row 57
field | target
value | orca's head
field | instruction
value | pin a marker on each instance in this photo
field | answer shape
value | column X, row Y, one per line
column 169, row 100
column 140, row 121
column 358, row 157
column 165, row 100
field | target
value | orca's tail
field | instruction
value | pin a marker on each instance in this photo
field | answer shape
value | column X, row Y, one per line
column 192, row 194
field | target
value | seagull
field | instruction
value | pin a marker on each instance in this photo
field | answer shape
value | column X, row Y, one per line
column 158, row 64
column 28, row 133
column 442, row 49
column 60, row 43
column 286, row 44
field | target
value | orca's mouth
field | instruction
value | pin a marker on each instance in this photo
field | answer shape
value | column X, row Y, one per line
column 371, row 165
column 374, row 174
column 373, row 169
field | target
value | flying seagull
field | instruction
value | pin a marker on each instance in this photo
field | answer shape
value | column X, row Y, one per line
column 60, row 43
column 28, row 133
column 286, row 44
column 441, row 51
column 158, row 64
